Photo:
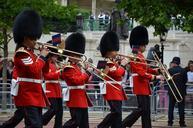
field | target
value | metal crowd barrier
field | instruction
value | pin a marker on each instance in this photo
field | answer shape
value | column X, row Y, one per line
column 98, row 25
column 159, row 100
column 8, row 97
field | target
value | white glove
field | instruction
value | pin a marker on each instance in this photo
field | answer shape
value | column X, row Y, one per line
column 159, row 77
column 82, row 65
column 44, row 51
column 89, row 69
column 124, row 61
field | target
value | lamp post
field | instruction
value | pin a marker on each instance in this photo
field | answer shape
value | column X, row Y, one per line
column 163, row 37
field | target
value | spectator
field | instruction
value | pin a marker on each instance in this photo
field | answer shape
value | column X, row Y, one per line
column 10, row 67
column 79, row 21
column 91, row 21
column 180, row 78
column 125, row 25
column 121, row 28
column 155, row 49
column 107, row 19
column 101, row 18
column 1, row 73
column 190, row 73
column 189, row 98
column 189, row 70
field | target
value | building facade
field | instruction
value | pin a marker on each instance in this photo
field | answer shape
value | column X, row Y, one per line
column 95, row 6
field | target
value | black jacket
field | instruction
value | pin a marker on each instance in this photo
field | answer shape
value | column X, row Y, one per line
column 180, row 78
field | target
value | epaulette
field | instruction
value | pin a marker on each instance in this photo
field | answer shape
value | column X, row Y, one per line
column 110, row 62
column 68, row 66
column 113, row 68
column 22, row 49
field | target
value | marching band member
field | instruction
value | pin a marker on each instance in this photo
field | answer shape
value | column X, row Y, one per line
column 141, row 75
column 53, row 91
column 75, row 95
column 109, row 46
column 31, row 98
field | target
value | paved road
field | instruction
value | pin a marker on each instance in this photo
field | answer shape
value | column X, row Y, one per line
column 158, row 121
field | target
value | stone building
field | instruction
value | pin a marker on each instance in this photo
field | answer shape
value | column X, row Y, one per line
column 95, row 6
column 178, row 43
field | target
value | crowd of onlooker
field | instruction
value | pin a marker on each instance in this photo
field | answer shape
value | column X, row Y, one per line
column 103, row 19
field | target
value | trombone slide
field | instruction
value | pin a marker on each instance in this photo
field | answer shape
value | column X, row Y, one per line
column 172, row 86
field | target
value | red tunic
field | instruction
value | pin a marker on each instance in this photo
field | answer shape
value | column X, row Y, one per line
column 144, row 75
column 117, row 73
column 53, row 88
column 74, row 77
column 29, row 66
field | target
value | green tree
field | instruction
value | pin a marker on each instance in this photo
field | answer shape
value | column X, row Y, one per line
column 161, row 14
column 51, row 11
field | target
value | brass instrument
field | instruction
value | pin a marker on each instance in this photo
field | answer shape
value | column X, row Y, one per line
column 137, row 60
column 60, row 53
column 103, row 74
column 176, row 93
column 134, row 57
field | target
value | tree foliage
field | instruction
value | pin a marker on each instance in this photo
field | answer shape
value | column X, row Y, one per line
column 161, row 14
column 56, row 18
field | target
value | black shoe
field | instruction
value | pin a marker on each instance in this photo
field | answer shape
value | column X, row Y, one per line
column 169, row 124
column 183, row 125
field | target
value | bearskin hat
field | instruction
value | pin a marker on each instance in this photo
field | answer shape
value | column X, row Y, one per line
column 109, row 42
column 139, row 36
column 75, row 42
column 27, row 24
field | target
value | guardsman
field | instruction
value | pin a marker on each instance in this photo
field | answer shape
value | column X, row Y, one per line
column 109, row 46
column 53, row 90
column 75, row 95
column 30, row 96
column 141, row 76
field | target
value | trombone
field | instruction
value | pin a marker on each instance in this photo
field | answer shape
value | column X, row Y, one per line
column 103, row 74
column 61, row 52
column 175, row 92
column 134, row 57
column 137, row 60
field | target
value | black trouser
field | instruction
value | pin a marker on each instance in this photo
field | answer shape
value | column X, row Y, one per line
column 114, row 118
column 56, row 109
column 33, row 117
column 15, row 119
column 143, row 110
column 79, row 118
column 181, row 106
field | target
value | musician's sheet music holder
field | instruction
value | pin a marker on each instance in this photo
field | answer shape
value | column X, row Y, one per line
column 101, row 64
